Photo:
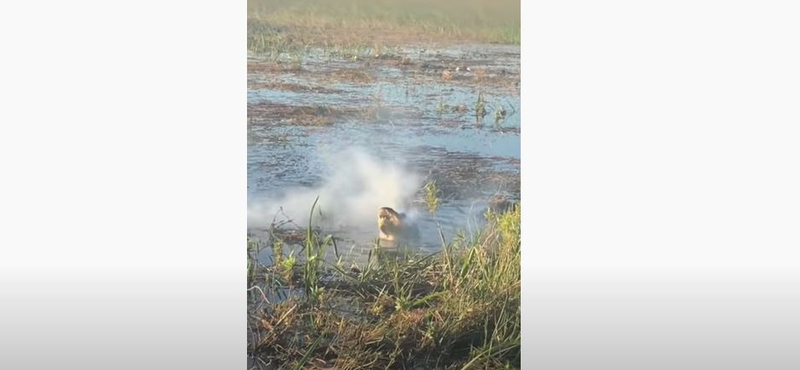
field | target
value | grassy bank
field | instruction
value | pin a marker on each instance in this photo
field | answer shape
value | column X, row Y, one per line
column 457, row 309
column 381, row 23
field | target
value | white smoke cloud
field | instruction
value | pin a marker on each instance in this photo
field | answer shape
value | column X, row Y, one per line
column 357, row 186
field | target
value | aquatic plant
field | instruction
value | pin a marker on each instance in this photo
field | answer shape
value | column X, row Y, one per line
column 441, row 107
column 432, row 197
column 480, row 108
column 499, row 115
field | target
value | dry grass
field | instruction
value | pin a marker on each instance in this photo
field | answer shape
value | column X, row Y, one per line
column 293, row 24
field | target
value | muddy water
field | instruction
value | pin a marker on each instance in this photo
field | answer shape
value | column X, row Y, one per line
column 415, row 108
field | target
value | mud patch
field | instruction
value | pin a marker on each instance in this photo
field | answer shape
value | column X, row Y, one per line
column 266, row 113
column 277, row 114
column 285, row 86
column 469, row 176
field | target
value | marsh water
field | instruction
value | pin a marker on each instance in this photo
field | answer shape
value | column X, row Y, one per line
column 413, row 109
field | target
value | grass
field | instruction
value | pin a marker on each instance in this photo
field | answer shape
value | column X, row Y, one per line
column 432, row 200
column 456, row 309
column 280, row 25
column 480, row 108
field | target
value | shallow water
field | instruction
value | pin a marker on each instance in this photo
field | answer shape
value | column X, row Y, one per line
column 419, row 131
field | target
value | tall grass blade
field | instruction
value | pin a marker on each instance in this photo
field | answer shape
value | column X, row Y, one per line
column 307, row 356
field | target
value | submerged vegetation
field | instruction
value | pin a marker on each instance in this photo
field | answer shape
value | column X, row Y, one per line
column 455, row 309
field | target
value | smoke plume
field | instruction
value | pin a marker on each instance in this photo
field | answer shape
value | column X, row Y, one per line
column 350, row 196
